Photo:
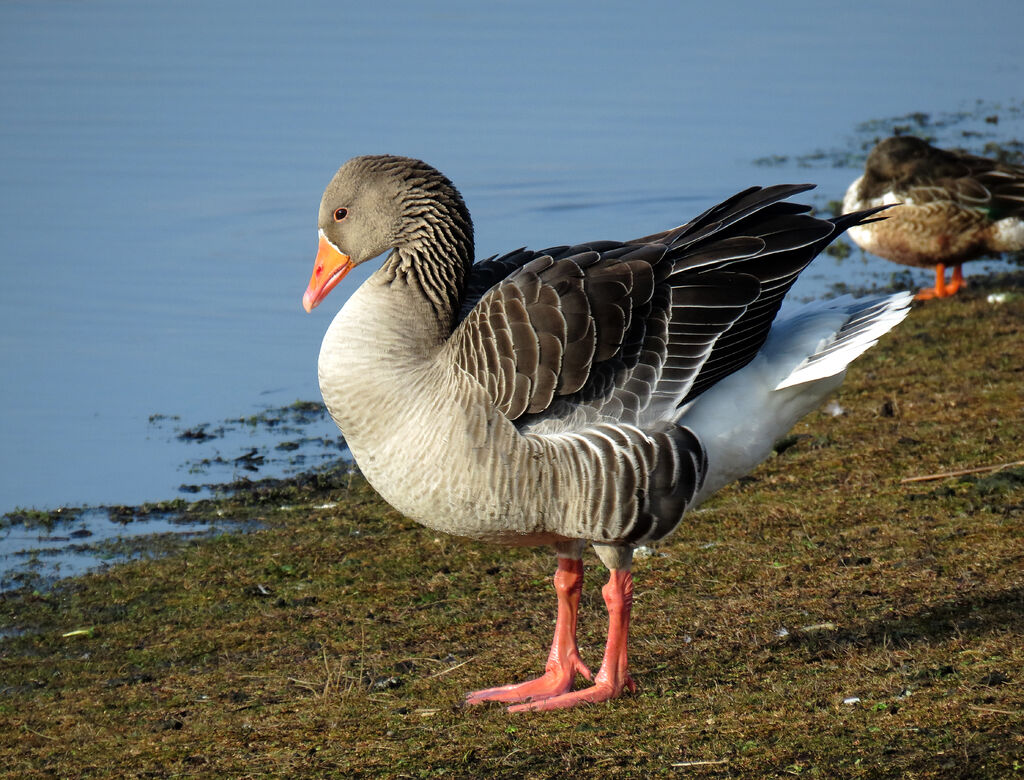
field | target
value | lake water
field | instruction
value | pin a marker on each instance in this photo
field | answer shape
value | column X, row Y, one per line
column 161, row 166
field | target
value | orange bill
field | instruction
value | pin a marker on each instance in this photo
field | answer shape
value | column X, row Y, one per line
column 329, row 269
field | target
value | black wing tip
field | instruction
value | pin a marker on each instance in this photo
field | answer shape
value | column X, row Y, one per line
column 862, row 217
column 791, row 189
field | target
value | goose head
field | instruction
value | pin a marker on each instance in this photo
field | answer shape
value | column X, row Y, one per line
column 375, row 204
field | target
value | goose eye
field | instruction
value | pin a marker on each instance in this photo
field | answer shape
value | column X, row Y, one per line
column 340, row 214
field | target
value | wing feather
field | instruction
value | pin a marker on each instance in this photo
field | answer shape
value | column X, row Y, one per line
column 628, row 332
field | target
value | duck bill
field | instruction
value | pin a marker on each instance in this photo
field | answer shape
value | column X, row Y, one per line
column 329, row 269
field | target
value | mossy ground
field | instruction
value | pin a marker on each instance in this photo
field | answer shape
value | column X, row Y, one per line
column 338, row 640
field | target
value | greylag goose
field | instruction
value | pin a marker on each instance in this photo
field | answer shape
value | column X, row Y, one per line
column 579, row 394
column 950, row 207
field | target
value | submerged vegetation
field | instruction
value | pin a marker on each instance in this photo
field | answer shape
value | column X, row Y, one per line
column 975, row 129
column 283, row 441
column 821, row 618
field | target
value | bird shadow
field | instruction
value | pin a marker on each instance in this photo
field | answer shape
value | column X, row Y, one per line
column 965, row 617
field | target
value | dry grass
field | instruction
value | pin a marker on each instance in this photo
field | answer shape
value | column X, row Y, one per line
column 338, row 642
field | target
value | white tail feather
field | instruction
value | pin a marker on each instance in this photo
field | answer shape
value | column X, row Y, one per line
column 802, row 362
column 869, row 319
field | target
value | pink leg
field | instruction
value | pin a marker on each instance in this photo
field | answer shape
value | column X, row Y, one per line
column 564, row 659
column 613, row 676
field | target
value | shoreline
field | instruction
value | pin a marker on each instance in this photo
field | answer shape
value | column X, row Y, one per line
column 819, row 614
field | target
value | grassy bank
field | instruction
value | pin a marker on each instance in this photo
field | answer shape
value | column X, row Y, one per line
column 819, row 619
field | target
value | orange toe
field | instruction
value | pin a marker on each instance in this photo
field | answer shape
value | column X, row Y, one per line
column 941, row 288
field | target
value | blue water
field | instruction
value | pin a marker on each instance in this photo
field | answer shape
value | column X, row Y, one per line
column 75, row 545
column 161, row 165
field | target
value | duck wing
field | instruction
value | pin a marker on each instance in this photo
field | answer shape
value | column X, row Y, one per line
column 969, row 181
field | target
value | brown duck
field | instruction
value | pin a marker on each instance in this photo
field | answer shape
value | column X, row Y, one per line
column 948, row 207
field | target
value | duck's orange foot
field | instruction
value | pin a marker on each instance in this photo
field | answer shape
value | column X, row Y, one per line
column 941, row 288
column 602, row 690
column 554, row 682
column 957, row 281
column 946, row 291
column 927, row 294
